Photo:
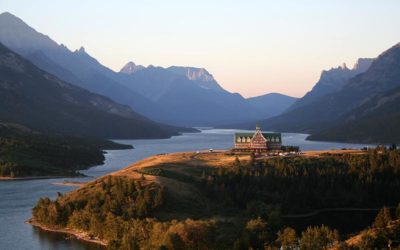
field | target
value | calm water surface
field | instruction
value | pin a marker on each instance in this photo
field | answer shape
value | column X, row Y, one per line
column 18, row 197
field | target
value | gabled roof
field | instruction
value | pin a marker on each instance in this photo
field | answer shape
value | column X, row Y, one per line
column 266, row 135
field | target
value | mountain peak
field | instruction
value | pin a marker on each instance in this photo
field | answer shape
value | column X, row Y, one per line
column 131, row 68
column 362, row 64
column 10, row 16
column 16, row 34
column 9, row 19
column 81, row 50
column 193, row 73
column 199, row 75
column 6, row 13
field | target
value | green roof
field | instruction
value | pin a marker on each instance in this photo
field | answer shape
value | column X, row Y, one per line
column 266, row 135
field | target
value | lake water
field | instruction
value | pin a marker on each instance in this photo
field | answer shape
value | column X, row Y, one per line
column 18, row 197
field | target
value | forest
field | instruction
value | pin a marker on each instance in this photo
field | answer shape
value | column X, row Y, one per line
column 303, row 184
column 23, row 155
column 247, row 201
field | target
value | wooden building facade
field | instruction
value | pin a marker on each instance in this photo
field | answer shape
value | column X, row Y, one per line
column 257, row 141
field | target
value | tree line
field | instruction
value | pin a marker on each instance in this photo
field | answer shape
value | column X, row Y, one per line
column 303, row 184
column 39, row 155
column 127, row 213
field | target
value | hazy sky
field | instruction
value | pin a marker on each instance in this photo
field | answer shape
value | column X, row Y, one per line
column 251, row 47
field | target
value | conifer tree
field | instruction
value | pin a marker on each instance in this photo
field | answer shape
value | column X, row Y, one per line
column 383, row 218
column 237, row 161
column 287, row 239
column 159, row 198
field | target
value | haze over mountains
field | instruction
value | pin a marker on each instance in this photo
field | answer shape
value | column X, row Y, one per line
column 277, row 101
column 358, row 104
column 42, row 102
column 183, row 96
column 332, row 80
column 364, row 109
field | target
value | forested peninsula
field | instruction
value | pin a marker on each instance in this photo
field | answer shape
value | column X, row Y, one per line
column 224, row 201
column 37, row 155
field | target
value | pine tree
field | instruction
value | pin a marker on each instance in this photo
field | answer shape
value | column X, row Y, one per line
column 383, row 218
column 237, row 161
column 318, row 238
column 147, row 195
column 287, row 239
column 159, row 198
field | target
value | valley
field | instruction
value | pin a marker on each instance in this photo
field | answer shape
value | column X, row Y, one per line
column 214, row 125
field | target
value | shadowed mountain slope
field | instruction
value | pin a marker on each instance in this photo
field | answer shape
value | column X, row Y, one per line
column 42, row 102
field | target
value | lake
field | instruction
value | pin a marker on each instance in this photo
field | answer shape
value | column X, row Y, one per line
column 18, row 197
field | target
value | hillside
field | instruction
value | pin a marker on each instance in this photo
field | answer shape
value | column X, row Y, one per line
column 271, row 104
column 331, row 81
column 218, row 200
column 377, row 120
column 177, row 95
column 28, row 154
column 76, row 67
column 191, row 96
column 42, row 102
column 336, row 109
column 384, row 237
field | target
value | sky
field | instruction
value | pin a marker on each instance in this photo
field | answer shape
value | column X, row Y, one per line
column 251, row 47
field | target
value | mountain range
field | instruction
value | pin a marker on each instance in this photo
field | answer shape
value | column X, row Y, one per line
column 279, row 103
column 40, row 101
column 357, row 104
column 363, row 108
column 184, row 96
column 331, row 81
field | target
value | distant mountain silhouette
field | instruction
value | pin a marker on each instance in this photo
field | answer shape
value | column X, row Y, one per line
column 375, row 121
column 76, row 67
column 332, row 80
column 272, row 104
column 194, row 97
column 42, row 102
column 199, row 76
column 357, row 102
column 176, row 95
column 190, row 95
column 131, row 68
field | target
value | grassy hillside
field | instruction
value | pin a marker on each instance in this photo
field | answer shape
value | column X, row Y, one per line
column 224, row 201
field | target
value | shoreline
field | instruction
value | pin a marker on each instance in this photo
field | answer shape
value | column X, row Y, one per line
column 70, row 183
column 7, row 178
column 78, row 235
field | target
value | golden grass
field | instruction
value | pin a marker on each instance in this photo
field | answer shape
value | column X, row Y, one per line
column 318, row 153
